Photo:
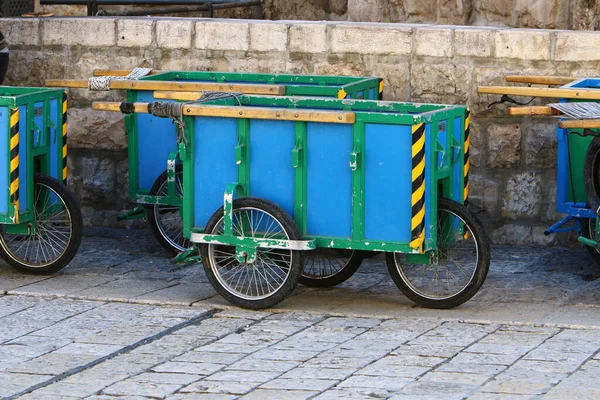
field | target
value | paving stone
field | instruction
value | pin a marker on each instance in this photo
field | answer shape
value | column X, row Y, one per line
column 173, row 344
column 337, row 362
column 320, row 373
column 53, row 363
column 219, row 387
column 410, row 360
column 150, row 389
column 179, row 294
column 202, row 396
column 115, row 290
column 13, row 304
column 379, row 382
column 178, row 378
column 263, row 365
column 381, row 368
column 442, row 389
column 354, row 394
column 10, row 282
column 62, row 285
column 428, row 350
column 261, row 394
column 283, row 355
column 299, row 384
column 476, row 358
column 211, row 358
column 98, row 350
column 242, row 376
column 560, row 393
column 516, row 387
column 455, row 377
column 188, row 368
column 60, row 389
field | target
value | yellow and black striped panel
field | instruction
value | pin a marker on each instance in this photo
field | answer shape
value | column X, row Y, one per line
column 14, row 159
column 467, row 147
column 64, row 137
column 418, row 187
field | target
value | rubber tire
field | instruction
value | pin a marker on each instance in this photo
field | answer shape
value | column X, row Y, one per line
column 354, row 259
column 591, row 174
column 165, row 243
column 586, row 231
column 297, row 256
column 481, row 269
column 76, row 232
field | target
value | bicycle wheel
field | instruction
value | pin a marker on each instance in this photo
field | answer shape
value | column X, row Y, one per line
column 57, row 237
column 275, row 272
column 165, row 220
column 590, row 230
column 463, row 261
column 325, row 267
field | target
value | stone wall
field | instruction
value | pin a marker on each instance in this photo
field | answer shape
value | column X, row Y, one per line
column 513, row 159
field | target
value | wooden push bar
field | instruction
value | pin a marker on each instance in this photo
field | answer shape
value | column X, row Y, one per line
column 533, row 110
column 541, row 80
column 183, row 96
column 579, row 123
column 586, row 94
column 283, row 114
column 174, row 86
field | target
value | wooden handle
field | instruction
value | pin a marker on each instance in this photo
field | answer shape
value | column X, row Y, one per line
column 587, row 94
column 183, row 96
column 533, row 110
column 579, row 123
column 541, row 80
column 71, row 83
column 116, row 106
column 281, row 114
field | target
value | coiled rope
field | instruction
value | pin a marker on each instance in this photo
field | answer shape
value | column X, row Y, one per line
column 103, row 82
column 174, row 110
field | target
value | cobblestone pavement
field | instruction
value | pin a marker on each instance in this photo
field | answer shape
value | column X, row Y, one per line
column 123, row 322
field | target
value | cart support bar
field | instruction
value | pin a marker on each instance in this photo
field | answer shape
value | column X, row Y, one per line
column 587, row 94
column 580, row 123
column 533, row 110
column 134, row 84
column 253, row 242
column 541, row 80
column 282, row 114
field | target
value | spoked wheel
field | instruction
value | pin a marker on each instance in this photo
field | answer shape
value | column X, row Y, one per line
column 58, row 228
column 165, row 220
column 329, row 267
column 463, row 261
column 590, row 229
column 275, row 272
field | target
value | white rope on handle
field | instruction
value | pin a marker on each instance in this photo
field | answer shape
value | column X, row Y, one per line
column 578, row 110
column 103, row 82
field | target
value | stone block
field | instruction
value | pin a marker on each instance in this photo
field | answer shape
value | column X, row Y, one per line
column 396, row 78
column 439, row 83
column 523, row 196
column 134, row 32
column 308, row 38
column 167, row 30
column 96, row 129
column 454, row 12
column 93, row 180
column 484, row 195
column 76, row 32
column 339, row 7
column 376, row 11
column 435, row 42
column 21, row 32
column 504, row 145
column 478, row 148
column 222, row 35
column 576, row 46
column 541, row 145
column 268, row 37
column 544, row 14
column 501, row 8
column 523, row 44
column 309, row 10
column 473, row 42
column 371, row 39
column 30, row 68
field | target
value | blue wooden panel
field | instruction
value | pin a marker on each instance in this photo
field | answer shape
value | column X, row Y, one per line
column 458, row 168
column 372, row 94
column 271, row 171
column 4, row 173
column 429, row 151
column 157, row 137
column 329, row 180
column 55, row 131
column 23, row 155
column 214, row 164
column 388, row 186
